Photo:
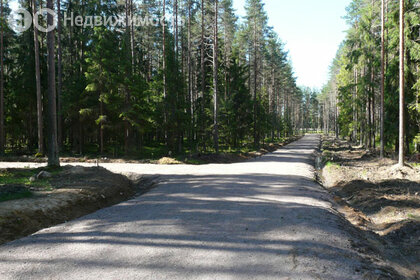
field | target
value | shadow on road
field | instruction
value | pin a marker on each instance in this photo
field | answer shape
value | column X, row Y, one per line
column 238, row 226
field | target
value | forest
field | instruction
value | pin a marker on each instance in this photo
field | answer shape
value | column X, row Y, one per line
column 114, row 79
column 199, row 81
column 178, row 139
column 362, row 96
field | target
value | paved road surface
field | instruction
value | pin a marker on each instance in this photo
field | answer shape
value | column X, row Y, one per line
column 263, row 219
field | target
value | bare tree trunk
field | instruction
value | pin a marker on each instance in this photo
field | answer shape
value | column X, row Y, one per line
column 382, row 78
column 2, row 130
column 336, row 115
column 215, row 79
column 256, row 138
column 416, row 145
column 354, row 131
column 101, row 131
column 38, row 88
column 368, row 125
column 60, row 77
column 165, row 117
column 132, row 59
column 272, row 100
column 132, row 37
column 203, row 76
column 176, row 28
column 401, row 133
column 80, row 126
column 190, row 91
column 128, row 22
column 373, row 110
column 53, row 159
column 178, row 134
column 386, row 34
column 226, row 62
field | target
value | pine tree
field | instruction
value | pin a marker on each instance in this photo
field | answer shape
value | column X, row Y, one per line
column 257, row 23
column 402, row 84
column 38, row 87
column 53, row 158
column 121, row 90
column 2, row 130
column 215, row 76
column 382, row 115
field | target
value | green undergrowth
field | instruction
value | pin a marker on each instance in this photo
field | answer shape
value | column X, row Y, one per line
column 16, row 183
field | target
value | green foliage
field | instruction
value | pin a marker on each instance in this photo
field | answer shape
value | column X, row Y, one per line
column 16, row 195
column 22, row 177
column 114, row 104
column 331, row 164
column 355, row 75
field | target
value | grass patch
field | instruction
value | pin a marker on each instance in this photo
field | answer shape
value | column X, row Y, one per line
column 19, row 195
column 191, row 161
column 16, row 183
column 21, row 177
column 331, row 164
column 414, row 217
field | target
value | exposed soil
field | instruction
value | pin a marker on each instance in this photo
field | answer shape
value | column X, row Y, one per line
column 76, row 191
column 377, row 197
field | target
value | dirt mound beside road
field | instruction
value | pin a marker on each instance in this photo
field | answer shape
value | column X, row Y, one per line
column 76, row 191
column 377, row 197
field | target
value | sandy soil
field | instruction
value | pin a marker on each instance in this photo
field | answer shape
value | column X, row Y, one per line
column 76, row 191
column 376, row 196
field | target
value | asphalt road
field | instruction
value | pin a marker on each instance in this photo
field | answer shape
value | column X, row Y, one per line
column 262, row 219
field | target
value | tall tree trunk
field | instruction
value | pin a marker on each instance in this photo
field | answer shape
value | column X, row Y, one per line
column 101, row 128
column 176, row 28
column 131, row 9
column 189, row 66
column 203, row 78
column 386, row 35
column 2, row 130
column 38, row 88
column 382, row 78
column 179, row 133
column 132, row 37
column 60, row 77
column 354, row 108
column 256, row 139
column 369, row 124
column 416, row 145
column 53, row 159
column 372, row 110
column 336, row 114
column 215, row 79
column 401, row 125
column 272, row 98
column 165, row 113
column 128, row 23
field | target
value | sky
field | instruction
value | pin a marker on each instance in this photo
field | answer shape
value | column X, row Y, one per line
column 312, row 31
